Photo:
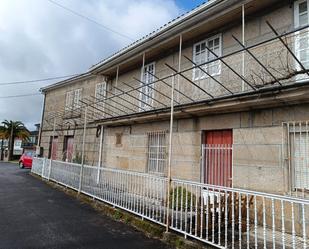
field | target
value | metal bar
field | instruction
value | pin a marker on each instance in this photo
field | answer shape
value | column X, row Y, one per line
column 106, row 103
column 228, row 66
column 156, row 90
column 83, row 153
column 287, row 47
column 124, row 99
column 176, row 90
column 209, row 75
column 257, row 60
column 197, row 86
column 169, row 178
column 90, row 105
column 179, row 63
column 132, row 96
column 148, row 85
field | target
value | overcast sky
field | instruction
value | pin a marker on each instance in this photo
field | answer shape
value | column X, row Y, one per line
column 38, row 39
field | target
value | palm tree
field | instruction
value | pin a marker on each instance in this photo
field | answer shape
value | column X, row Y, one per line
column 11, row 130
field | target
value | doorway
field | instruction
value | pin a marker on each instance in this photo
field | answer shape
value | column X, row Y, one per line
column 218, row 157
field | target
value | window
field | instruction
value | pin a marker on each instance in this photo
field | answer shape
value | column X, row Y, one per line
column 301, row 18
column 73, row 99
column 201, row 55
column 147, row 91
column 100, row 94
column 157, row 153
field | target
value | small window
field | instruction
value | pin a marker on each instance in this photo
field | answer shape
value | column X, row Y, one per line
column 202, row 55
column 157, row 153
column 118, row 139
column 146, row 95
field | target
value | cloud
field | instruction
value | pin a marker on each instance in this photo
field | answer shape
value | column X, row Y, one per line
column 39, row 39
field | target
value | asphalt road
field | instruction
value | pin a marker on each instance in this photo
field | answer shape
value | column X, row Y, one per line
column 34, row 215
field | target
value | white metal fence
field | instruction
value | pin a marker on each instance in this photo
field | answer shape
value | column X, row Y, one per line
column 220, row 216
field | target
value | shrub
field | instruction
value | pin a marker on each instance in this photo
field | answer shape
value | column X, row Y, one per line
column 185, row 195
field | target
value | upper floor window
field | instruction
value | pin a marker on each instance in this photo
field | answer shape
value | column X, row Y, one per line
column 100, row 95
column 301, row 13
column 73, row 99
column 202, row 55
column 301, row 18
column 147, row 78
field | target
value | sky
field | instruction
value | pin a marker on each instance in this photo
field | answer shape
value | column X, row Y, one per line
column 39, row 39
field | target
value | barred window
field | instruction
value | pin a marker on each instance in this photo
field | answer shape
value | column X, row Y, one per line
column 157, row 153
column 202, row 55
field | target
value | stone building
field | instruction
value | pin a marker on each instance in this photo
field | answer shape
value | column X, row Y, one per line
column 240, row 105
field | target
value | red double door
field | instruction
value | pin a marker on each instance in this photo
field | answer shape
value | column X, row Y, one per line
column 218, row 157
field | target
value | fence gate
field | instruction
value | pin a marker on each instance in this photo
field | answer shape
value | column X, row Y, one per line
column 217, row 156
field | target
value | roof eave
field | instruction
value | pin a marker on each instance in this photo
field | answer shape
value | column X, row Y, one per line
column 169, row 31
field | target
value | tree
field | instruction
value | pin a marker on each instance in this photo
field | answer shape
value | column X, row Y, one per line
column 11, row 130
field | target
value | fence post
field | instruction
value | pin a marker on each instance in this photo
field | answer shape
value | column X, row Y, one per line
column 43, row 167
column 83, row 153
column 169, row 179
column 52, row 150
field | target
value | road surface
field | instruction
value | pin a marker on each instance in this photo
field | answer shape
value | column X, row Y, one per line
column 34, row 215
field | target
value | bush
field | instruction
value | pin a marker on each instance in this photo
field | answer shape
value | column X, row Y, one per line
column 180, row 192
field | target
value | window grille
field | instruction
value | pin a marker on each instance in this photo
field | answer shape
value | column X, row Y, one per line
column 157, row 149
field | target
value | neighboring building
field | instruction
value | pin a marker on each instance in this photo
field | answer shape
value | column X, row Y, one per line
column 236, row 119
column 32, row 142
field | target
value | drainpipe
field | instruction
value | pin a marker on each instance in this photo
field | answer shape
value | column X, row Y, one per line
column 38, row 149
column 100, row 153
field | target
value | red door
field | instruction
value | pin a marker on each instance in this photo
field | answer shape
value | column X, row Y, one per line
column 218, row 157
column 69, row 149
column 54, row 148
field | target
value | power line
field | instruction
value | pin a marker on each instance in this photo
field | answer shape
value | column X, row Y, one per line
column 90, row 20
column 19, row 96
column 37, row 80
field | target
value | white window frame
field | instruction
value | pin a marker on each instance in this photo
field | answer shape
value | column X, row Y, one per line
column 298, row 34
column 143, row 97
column 72, row 99
column 195, row 70
column 157, row 153
column 69, row 99
column 101, row 88
column 77, row 98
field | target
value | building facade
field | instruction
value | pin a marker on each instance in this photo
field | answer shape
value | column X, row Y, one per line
column 240, row 100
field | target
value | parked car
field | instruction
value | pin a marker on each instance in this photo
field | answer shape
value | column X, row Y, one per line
column 25, row 160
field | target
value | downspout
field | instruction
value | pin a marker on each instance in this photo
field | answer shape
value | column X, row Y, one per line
column 38, row 148
column 100, row 153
